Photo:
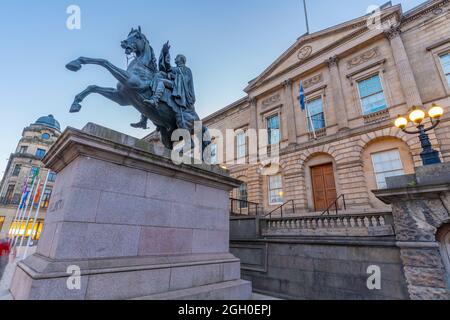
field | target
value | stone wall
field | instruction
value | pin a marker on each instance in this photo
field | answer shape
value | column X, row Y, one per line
column 316, row 269
column 420, row 204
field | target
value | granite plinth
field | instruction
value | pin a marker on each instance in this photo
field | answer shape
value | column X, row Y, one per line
column 134, row 223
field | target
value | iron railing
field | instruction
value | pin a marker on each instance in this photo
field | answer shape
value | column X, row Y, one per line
column 280, row 208
column 240, row 207
column 335, row 204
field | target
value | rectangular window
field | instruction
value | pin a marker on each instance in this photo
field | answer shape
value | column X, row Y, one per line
column 18, row 228
column 242, row 195
column 316, row 116
column 386, row 164
column 214, row 159
column 10, row 193
column 46, row 198
column 23, row 149
column 17, row 169
column 34, row 171
column 241, row 145
column 275, row 190
column 51, row 177
column 40, row 153
column 273, row 128
column 372, row 95
column 445, row 61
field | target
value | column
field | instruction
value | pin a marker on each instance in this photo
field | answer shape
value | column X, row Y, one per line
column 253, row 139
column 404, row 69
column 253, row 113
column 337, row 93
column 290, row 112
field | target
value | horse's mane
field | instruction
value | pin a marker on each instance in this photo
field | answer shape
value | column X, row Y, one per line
column 152, row 59
column 149, row 53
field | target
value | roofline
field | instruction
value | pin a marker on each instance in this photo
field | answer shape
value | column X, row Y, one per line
column 227, row 108
column 309, row 37
column 418, row 10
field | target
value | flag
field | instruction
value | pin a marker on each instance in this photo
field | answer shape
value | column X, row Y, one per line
column 35, row 174
column 25, row 187
column 25, row 198
column 37, row 197
column 302, row 97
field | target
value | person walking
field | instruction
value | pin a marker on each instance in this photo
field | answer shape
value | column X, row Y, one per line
column 5, row 249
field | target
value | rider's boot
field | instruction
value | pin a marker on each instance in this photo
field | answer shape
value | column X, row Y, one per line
column 141, row 124
column 154, row 100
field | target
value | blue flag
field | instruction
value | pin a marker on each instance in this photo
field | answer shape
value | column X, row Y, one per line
column 302, row 97
column 24, row 200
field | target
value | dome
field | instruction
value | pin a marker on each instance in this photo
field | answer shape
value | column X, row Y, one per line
column 49, row 121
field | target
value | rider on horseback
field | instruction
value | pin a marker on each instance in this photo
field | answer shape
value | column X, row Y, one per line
column 175, row 85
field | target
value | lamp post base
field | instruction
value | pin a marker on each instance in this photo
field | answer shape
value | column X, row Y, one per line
column 430, row 158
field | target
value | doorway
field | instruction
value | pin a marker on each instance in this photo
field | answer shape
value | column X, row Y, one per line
column 444, row 241
column 323, row 186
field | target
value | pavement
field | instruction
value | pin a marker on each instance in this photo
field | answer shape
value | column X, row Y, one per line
column 262, row 297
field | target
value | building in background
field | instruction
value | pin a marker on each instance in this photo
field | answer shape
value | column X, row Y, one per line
column 24, row 162
column 357, row 80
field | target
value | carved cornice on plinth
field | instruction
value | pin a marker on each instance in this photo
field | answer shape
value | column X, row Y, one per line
column 287, row 83
column 313, row 81
column 333, row 61
column 362, row 58
column 393, row 32
column 252, row 101
column 271, row 100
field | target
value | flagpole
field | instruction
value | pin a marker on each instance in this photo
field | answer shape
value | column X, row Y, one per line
column 23, row 207
column 21, row 215
column 24, row 191
column 36, row 214
column 306, row 16
column 30, row 212
column 308, row 114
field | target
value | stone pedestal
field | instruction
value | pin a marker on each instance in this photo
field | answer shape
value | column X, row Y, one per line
column 135, row 224
column 421, row 205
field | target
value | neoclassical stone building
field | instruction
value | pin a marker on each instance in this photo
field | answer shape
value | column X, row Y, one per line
column 35, row 142
column 357, row 80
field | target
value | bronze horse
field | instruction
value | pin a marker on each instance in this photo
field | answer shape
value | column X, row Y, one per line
column 135, row 87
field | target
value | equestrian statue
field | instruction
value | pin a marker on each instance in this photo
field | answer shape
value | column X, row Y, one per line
column 161, row 92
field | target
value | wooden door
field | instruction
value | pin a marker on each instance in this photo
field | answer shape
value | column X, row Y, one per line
column 324, row 186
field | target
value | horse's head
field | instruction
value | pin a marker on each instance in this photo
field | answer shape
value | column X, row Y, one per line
column 135, row 43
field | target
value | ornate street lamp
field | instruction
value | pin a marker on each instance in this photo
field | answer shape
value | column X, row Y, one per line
column 417, row 116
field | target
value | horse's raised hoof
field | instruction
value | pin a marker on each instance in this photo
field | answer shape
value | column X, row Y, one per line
column 76, row 107
column 74, row 66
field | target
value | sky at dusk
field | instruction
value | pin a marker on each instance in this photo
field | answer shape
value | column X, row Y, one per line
column 227, row 43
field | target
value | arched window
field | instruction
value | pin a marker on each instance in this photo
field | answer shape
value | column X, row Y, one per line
column 243, row 196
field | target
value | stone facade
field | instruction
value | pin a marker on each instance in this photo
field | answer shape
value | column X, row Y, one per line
column 36, row 141
column 405, row 56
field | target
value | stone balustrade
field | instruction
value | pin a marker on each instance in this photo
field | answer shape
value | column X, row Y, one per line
column 351, row 225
